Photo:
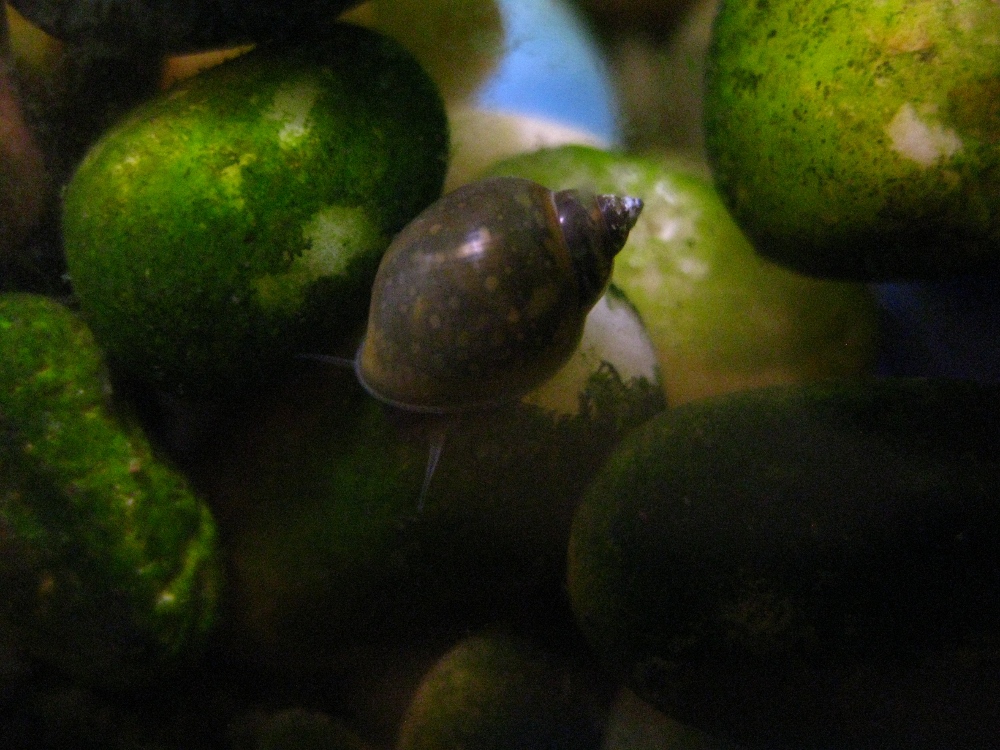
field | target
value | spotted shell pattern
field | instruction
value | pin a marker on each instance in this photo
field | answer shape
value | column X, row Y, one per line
column 484, row 295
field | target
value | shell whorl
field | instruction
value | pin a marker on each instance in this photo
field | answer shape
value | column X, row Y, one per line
column 595, row 229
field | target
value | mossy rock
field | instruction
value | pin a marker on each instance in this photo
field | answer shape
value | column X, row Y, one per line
column 804, row 567
column 857, row 139
column 720, row 317
column 108, row 562
column 238, row 220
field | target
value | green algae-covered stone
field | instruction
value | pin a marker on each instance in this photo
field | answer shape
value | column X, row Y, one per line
column 332, row 549
column 859, row 139
column 804, row 567
column 238, row 220
column 108, row 563
column 494, row 691
column 720, row 317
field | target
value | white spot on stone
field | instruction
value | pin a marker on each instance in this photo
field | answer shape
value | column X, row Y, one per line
column 693, row 268
column 166, row 599
column 669, row 229
column 291, row 106
column 626, row 176
column 668, row 216
column 335, row 236
column 919, row 140
column 613, row 333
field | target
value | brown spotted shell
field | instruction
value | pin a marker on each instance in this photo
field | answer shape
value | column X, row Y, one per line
column 484, row 295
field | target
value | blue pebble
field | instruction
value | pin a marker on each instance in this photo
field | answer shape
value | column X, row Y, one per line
column 553, row 69
column 944, row 328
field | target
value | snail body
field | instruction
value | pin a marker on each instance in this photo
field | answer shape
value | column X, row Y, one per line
column 484, row 295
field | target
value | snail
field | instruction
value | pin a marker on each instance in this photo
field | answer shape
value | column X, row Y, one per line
column 484, row 295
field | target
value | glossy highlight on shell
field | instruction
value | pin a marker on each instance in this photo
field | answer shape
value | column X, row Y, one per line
column 484, row 295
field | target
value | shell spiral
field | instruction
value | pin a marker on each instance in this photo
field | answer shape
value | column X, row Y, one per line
column 484, row 295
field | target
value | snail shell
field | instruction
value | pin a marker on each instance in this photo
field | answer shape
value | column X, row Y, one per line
column 484, row 295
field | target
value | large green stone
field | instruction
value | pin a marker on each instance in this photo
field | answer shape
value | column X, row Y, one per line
column 108, row 562
column 238, row 220
column 859, row 139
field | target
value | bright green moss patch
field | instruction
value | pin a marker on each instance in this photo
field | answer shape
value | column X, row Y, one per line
column 107, row 561
column 238, row 220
